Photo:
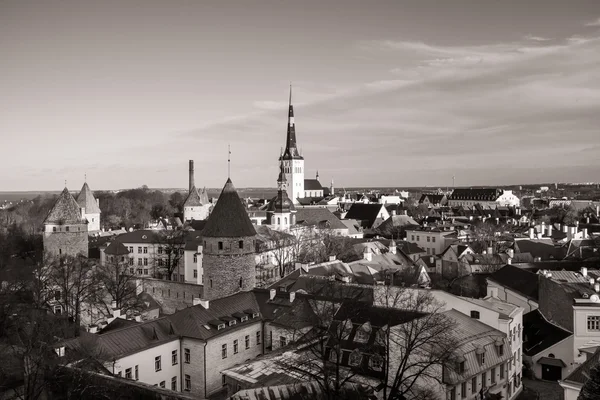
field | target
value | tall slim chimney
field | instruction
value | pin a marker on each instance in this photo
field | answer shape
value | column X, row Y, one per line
column 191, row 175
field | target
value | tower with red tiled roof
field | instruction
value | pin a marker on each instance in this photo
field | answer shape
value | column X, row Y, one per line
column 65, row 228
column 293, row 162
column 229, row 242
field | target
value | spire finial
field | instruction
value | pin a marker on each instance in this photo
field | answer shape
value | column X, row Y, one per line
column 85, row 178
column 65, row 183
column 229, row 161
column 290, row 93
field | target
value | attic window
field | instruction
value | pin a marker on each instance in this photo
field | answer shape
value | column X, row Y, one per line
column 144, row 237
column 244, row 319
column 232, row 322
column 500, row 349
column 220, row 326
column 460, row 367
column 255, row 315
column 475, row 314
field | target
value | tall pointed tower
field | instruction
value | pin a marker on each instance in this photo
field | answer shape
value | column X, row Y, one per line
column 90, row 208
column 65, row 228
column 281, row 213
column 229, row 247
column 293, row 162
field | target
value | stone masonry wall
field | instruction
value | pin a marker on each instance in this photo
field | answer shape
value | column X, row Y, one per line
column 230, row 269
column 171, row 295
column 69, row 243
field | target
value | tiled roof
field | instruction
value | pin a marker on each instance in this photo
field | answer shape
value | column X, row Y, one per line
column 491, row 303
column 193, row 199
column 539, row 334
column 86, row 199
column 476, row 194
column 409, row 247
column 65, row 210
column 116, row 248
column 366, row 213
column 396, row 221
column 543, row 248
column 195, row 321
column 312, row 184
column 518, row 280
column 433, row 198
column 129, row 339
column 352, row 225
column 582, row 373
column 318, row 217
column 472, row 335
column 228, row 218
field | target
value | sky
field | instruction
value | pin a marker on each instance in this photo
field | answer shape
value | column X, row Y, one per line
column 386, row 93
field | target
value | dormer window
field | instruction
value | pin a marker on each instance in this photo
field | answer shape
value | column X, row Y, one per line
column 255, row 315
column 363, row 333
column 220, row 326
column 481, row 357
column 376, row 363
column 500, row 349
column 244, row 319
column 460, row 367
column 220, row 245
column 346, row 329
column 232, row 322
column 475, row 314
column 355, row 358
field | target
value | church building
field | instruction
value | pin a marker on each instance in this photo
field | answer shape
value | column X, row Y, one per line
column 293, row 166
column 281, row 212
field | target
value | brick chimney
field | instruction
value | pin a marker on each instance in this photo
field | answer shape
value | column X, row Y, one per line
column 367, row 255
column 272, row 294
column 191, row 177
column 531, row 233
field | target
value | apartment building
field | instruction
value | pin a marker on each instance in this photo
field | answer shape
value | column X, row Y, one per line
column 430, row 239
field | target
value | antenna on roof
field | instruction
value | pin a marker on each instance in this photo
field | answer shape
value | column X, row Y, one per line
column 229, row 161
column 85, row 177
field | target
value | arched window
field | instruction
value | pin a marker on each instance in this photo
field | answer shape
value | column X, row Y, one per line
column 278, row 221
column 285, row 220
column 240, row 282
column 363, row 333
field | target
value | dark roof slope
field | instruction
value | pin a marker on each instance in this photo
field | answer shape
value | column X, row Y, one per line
column 366, row 213
column 116, row 248
column 476, row 194
column 517, row 279
column 539, row 334
column 65, row 210
column 312, row 184
column 86, row 199
column 193, row 199
column 229, row 218
column 582, row 373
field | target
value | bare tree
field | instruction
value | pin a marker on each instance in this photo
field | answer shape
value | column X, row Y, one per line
column 118, row 286
column 168, row 253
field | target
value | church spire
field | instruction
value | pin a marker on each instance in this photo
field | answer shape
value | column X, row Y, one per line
column 291, row 149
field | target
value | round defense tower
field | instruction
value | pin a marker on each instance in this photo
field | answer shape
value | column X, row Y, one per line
column 229, row 245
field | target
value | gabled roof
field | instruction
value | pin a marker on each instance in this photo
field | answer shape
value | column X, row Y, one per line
column 582, row 373
column 409, row 248
column 542, row 248
column 65, row 210
column 319, row 217
column 193, row 199
column 539, row 334
column 476, row 194
column 366, row 213
column 196, row 321
column 518, row 280
column 116, row 248
column 312, row 184
column 87, row 200
column 229, row 217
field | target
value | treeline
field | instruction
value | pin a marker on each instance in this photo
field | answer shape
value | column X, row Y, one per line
column 135, row 208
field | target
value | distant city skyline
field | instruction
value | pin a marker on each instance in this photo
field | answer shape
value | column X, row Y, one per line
column 386, row 93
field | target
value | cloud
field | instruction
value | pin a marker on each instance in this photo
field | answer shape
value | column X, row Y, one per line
column 593, row 23
column 536, row 38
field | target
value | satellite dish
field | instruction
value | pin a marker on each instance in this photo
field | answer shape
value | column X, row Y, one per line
column 594, row 298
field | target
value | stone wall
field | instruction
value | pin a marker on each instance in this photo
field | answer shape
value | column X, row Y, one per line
column 229, row 266
column 171, row 295
column 63, row 242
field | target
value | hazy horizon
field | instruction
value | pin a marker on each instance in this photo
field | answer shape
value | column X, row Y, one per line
column 386, row 93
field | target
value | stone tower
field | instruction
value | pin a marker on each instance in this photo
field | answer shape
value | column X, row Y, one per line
column 293, row 162
column 281, row 213
column 229, row 241
column 65, row 228
column 90, row 208
column 196, row 205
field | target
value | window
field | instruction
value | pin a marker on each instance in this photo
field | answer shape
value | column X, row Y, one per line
column 453, row 393
column 128, row 373
column 433, row 239
column 131, row 263
column 241, row 244
column 355, row 358
column 145, row 261
column 220, row 245
column 376, row 363
column 57, row 295
column 174, row 357
column 474, row 384
column 131, row 249
column 67, row 228
column 137, row 373
column 223, row 383
column 418, row 238
column 195, row 258
column 145, row 250
column 247, row 341
column 241, row 282
column 140, row 261
column 187, row 355
column 412, row 237
column 145, row 271
column 282, row 341
column 493, row 375
column 427, row 251
column 174, row 383
column 501, row 371
column 224, row 351
column 53, row 229
column 139, row 271
column 483, row 378
column 139, row 250
column 161, row 262
column 157, row 365
column 481, row 358
column 188, row 383
column 428, row 239
column 363, row 333
column 258, row 337
column 160, row 250
column 475, row 314
column 195, row 273
column 593, row 322
column 162, row 384
column 131, row 270
column 501, row 350
column 463, row 390
column 460, row 368
column 235, row 346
